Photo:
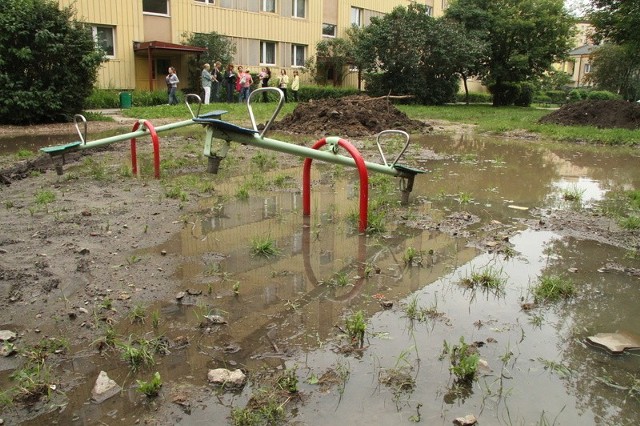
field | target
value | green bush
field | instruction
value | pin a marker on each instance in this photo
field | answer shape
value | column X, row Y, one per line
column 322, row 92
column 474, row 97
column 602, row 95
column 577, row 95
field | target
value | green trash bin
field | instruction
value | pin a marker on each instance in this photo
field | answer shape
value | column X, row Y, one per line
column 125, row 100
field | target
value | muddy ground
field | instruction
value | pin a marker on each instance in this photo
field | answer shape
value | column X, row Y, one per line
column 67, row 241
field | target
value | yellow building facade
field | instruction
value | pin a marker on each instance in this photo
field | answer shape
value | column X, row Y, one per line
column 142, row 38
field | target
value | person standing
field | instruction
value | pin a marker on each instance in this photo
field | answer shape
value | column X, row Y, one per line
column 172, row 85
column 295, row 86
column 216, row 79
column 283, row 82
column 265, row 76
column 206, row 82
column 245, row 85
column 230, row 80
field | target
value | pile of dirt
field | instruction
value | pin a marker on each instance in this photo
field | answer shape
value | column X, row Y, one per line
column 601, row 114
column 350, row 116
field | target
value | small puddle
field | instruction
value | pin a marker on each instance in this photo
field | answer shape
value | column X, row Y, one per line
column 285, row 311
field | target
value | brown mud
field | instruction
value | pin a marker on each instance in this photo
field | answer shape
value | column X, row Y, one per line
column 601, row 114
column 60, row 260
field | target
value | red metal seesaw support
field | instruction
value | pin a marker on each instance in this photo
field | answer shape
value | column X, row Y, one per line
column 362, row 171
column 156, row 148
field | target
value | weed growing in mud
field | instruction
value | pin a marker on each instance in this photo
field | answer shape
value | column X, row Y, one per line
column 464, row 360
column 137, row 354
column 242, row 193
column 630, row 222
column 138, row 314
column 44, row 197
column 264, row 410
column 176, row 193
column 264, row 246
column 412, row 257
column 489, row 279
column 417, row 313
column 106, row 304
column 553, row 287
column 464, row 197
column 155, row 319
column 288, row 381
column 150, row 388
column 264, row 161
column 356, row 327
column 573, row 193
column 40, row 352
column 8, row 204
column 32, row 382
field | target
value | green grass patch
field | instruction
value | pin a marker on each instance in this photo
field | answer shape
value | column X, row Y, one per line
column 551, row 288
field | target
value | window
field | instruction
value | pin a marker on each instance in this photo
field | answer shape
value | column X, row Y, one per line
column 297, row 55
column 267, row 53
column 299, row 8
column 356, row 16
column 104, row 39
column 429, row 10
column 207, row 1
column 269, row 6
column 587, row 68
column 155, row 6
column 328, row 30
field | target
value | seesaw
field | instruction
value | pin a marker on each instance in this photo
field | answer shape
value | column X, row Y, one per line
column 219, row 134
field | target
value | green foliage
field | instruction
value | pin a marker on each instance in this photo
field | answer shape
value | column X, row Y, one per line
column 137, row 353
column 356, row 327
column 407, row 52
column 602, row 95
column 264, row 246
column 152, row 387
column 323, row 92
column 553, row 287
column 288, row 381
column 44, row 197
column 474, row 97
column 464, row 361
column 107, row 98
column 48, row 62
column 514, row 55
column 219, row 48
column 331, row 63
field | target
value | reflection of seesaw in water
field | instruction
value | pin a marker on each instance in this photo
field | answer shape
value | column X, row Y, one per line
column 219, row 135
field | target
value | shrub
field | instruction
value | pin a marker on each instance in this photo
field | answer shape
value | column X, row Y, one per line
column 577, row 95
column 602, row 95
column 474, row 97
column 49, row 62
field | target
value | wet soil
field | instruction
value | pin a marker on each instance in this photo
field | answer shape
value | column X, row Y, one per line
column 601, row 114
column 350, row 116
column 61, row 259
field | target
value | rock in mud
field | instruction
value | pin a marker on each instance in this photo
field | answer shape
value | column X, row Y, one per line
column 616, row 342
column 467, row 420
column 227, row 378
column 7, row 335
column 104, row 388
column 215, row 319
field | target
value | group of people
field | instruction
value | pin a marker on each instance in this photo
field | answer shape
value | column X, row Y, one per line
column 235, row 82
column 242, row 80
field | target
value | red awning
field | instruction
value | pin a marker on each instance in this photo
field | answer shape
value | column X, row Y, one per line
column 143, row 47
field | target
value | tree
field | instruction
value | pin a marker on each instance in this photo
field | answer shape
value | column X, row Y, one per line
column 616, row 68
column 48, row 62
column 332, row 60
column 407, row 52
column 219, row 48
column 525, row 38
column 616, row 63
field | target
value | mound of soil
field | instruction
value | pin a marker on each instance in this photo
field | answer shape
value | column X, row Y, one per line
column 350, row 116
column 602, row 114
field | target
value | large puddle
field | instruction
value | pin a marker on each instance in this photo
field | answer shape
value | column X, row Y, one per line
column 289, row 308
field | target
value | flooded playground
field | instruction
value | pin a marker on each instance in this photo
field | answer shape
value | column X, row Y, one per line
column 235, row 277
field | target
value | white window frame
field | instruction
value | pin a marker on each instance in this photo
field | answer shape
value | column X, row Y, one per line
column 587, row 68
column 356, row 16
column 94, row 32
column 268, row 6
column 429, row 10
column 295, row 50
column 335, row 30
column 294, row 8
column 264, row 47
column 156, row 13
column 212, row 2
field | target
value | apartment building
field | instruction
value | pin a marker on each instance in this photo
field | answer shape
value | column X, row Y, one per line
column 142, row 38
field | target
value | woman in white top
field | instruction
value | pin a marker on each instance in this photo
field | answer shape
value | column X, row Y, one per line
column 283, row 82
